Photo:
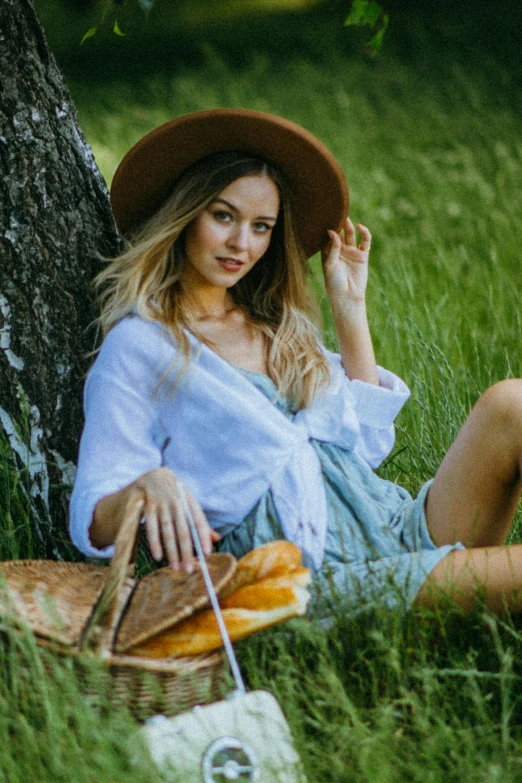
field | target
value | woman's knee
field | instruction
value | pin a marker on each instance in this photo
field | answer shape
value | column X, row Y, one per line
column 501, row 404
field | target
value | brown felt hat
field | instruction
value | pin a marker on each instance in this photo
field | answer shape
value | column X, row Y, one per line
column 147, row 173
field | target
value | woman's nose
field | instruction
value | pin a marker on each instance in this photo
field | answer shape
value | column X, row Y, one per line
column 238, row 238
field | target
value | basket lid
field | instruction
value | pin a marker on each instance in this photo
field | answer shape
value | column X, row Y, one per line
column 55, row 599
column 164, row 597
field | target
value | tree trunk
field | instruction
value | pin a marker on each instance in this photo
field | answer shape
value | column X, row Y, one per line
column 55, row 221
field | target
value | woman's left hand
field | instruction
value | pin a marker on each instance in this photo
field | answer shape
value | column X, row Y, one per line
column 345, row 265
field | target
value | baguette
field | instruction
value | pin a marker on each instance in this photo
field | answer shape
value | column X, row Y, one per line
column 277, row 601
column 268, row 560
column 268, row 593
column 268, row 586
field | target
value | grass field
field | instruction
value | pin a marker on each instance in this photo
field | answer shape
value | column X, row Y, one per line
column 432, row 149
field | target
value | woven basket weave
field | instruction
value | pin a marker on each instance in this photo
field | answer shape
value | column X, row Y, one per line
column 76, row 609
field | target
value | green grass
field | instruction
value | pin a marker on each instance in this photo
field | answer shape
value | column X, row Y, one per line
column 431, row 147
column 17, row 536
column 377, row 699
column 50, row 732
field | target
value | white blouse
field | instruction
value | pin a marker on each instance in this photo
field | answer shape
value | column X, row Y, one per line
column 218, row 433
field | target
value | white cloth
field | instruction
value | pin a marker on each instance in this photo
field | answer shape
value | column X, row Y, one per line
column 219, row 434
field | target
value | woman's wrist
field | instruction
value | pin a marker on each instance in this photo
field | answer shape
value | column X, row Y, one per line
column 109, row 514
column 349, row 314
column 355, row 341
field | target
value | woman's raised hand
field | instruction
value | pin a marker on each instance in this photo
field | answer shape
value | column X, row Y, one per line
column 166, row 523
column 346, row 274
column 345, row 264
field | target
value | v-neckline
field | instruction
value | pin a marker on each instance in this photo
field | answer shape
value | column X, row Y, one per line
column 229, row 364
column 245, row 369
column 241, row 370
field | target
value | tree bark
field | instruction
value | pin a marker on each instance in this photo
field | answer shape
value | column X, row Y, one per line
column 55, row 222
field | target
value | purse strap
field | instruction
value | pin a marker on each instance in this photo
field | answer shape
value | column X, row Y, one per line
column 229, row 649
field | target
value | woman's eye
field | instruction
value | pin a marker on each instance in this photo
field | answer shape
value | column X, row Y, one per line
column 221, row 215
column 262, row 227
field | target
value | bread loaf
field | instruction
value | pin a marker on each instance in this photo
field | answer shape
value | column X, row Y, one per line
column 200, row 633
column 268, row 593
column 269, row 560
column 268, row 586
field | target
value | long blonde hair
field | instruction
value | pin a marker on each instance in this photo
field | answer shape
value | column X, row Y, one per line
column 148, row 279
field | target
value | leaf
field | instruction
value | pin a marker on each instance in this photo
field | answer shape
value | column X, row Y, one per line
column 375, row 43
column 364, row 12
column 116, row 29
column 370, row 14
column 88, row 34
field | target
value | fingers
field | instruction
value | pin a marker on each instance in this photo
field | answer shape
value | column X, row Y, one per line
column 153, row 537
column 347, row 237
column 349, row 233
column 183, row 534
column 331, row 252
column 366, row 238
column 203, row 528
column 168, row 535
column 350, row 237
column 166, row 511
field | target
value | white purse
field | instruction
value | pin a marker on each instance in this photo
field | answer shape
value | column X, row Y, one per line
column 243, row 738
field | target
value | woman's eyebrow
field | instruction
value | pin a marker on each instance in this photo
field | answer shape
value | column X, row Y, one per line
column 235, row 209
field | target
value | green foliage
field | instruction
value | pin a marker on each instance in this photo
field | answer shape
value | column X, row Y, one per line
column 89, row 34
column 364, row 12
column 386, row 698
column 109, row 18
column 17, row 539
column 370, row 14
column 50, row 732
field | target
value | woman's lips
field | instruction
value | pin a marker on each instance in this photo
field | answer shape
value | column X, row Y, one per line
column 230, row 264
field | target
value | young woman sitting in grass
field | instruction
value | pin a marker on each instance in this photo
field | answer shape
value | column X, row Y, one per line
column 212, row 378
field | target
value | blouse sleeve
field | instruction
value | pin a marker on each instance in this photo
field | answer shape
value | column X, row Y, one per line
column 121, row 439
column 376, row 408
column 373, row 407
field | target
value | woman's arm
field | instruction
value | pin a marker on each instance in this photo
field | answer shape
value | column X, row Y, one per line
column 346, row 274
column 168, row 533
column 121, row 458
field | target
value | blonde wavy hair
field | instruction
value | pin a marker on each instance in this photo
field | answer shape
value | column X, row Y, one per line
column 148, row 279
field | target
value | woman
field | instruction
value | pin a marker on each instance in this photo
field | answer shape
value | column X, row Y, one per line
column 212, row 381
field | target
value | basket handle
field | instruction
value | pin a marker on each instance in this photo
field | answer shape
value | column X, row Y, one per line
column 124, row 555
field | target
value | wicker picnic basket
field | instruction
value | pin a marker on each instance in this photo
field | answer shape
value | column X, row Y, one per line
column 90, row 611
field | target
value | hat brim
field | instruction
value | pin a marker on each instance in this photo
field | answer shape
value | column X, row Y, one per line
column 145, row 176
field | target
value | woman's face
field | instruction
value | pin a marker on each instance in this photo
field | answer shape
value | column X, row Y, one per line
column 230, row 236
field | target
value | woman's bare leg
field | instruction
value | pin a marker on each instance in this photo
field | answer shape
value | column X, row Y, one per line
column 473, row 499
column 477, row 488
column 491, row 574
